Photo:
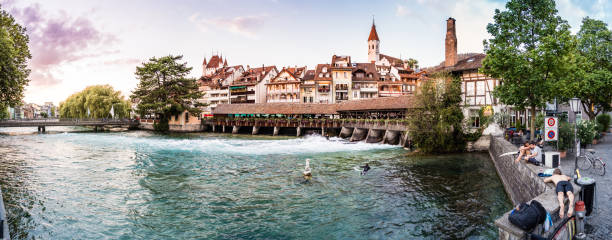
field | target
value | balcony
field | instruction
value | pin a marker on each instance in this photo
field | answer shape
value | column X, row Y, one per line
column 365, row 89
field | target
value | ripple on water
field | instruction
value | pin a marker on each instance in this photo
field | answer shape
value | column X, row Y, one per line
column 143, row 185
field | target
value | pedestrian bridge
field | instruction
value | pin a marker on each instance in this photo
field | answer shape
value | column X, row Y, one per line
column 42, row 123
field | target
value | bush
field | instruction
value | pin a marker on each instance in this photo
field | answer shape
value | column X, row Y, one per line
column 566, row 136
column 587, row 131
column 604, row 122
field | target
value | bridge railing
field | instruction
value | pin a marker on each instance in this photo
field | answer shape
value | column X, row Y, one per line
column 75, row 120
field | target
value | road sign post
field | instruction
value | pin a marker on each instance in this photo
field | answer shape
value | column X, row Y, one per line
column 551, row 129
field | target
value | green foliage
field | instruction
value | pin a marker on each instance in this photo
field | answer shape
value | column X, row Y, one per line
column 44, row 115
column 98, row 99
column 14, row 56
column 566, row 135
column 165, row 90
column 604, row 121
column 52, row 111
column 530, row 50
column 591, row 78
column 539, row 121
column 437, row 123
column 162, row 126
column 4, row 113
column 587, row 131
column 413, row 63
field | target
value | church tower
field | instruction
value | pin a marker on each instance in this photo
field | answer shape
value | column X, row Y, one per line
column 373, row 45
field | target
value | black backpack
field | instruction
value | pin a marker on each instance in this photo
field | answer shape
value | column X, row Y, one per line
column 528, row 216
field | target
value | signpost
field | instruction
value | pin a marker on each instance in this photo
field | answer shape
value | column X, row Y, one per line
column 551, row 129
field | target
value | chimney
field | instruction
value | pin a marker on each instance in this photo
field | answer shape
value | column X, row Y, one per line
column 451, row 43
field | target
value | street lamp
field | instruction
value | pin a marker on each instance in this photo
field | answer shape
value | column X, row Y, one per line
column 575, row 105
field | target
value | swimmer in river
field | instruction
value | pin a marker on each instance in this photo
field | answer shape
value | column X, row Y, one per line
column 366, row 168
column 307, row 171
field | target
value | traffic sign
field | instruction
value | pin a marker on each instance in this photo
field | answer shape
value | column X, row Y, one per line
column 551, row 128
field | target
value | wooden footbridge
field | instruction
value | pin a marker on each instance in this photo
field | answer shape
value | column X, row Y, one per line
column 42, row 123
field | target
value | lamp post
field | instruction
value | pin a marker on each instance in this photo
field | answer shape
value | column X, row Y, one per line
column 575, row 105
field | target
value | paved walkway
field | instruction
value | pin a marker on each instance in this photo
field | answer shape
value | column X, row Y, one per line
column 599, row 224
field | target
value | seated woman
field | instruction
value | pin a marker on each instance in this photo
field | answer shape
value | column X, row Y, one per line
column 524, row 151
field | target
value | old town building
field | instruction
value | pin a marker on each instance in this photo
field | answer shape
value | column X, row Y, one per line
column 364, row 81
column 323, row 84
column 251, row 87
column 476, row 88
column 285, row 87
column 308, row 87
column 341, row 72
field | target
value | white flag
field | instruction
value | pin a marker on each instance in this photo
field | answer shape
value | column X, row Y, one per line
column 88, row 112
column 112, row 112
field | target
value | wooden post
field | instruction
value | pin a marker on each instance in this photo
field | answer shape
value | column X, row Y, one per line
column 276, row 130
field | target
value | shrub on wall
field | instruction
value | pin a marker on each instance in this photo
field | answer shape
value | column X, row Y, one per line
column 604, row 122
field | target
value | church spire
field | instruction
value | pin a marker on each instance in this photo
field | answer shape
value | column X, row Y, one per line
column 373, row 34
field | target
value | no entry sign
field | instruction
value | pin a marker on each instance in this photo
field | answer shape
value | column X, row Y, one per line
column 551, row 128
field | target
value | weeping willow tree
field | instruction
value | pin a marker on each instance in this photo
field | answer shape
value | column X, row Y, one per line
column 98, row 100
column 437, row 121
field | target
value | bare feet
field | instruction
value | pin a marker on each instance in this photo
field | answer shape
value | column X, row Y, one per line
column 561, row 213
column 570, row 211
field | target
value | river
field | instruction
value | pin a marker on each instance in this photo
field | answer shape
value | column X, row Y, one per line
column 142, row 185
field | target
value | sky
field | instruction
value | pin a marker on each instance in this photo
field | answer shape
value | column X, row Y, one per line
column 77, row 43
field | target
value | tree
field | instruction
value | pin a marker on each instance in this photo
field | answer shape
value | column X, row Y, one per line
column 97, row 100
column 530, row 52
column 14, row 55
column 4, row 113
column 165, row 90
column 413, row 63
column 436, row 123
column 591, row 79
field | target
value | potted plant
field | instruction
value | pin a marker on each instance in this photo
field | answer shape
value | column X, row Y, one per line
column 566, row 138
column 586, row 132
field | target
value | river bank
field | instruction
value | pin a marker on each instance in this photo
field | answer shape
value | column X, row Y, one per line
column 220, row 186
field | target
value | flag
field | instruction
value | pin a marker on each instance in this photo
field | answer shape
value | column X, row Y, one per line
column 88, row 113
column 112, row 112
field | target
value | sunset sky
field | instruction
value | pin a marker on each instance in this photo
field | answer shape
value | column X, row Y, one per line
column 77, row 43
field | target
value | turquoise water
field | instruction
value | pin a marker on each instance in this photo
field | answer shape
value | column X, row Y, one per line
column 139, row 185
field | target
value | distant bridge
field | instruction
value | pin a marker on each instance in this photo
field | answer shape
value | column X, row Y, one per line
column 42, row 123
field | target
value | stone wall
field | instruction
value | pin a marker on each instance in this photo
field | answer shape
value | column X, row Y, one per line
column 4, row 220
column 176, row 127
column 522, row 184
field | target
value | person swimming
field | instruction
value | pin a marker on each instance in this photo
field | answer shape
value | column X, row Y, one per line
column 307, row 170
column 366, row 168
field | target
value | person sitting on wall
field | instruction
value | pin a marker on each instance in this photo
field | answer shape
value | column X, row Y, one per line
column 524, row 151
column 564, row 187
column 535, row 157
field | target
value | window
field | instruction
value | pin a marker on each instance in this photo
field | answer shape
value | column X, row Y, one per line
column 336, row 74
column 186, row 117
column 344, row 74
column 475, row 121
column 176, row 117
column 311, row 99
column 305, row 99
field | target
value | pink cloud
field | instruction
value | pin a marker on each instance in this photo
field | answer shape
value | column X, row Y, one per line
column 57, row 40
column 247, row 26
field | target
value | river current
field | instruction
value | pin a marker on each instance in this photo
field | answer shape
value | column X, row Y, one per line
column 142, row 185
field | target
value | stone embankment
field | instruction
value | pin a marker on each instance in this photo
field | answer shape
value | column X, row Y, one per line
column 4, row 231
column 522, row 184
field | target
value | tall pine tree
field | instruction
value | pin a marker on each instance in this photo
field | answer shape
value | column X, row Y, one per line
column 165, row 90
column 530, row 51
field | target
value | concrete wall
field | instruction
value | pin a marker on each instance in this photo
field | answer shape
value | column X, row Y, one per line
column 522, row 184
